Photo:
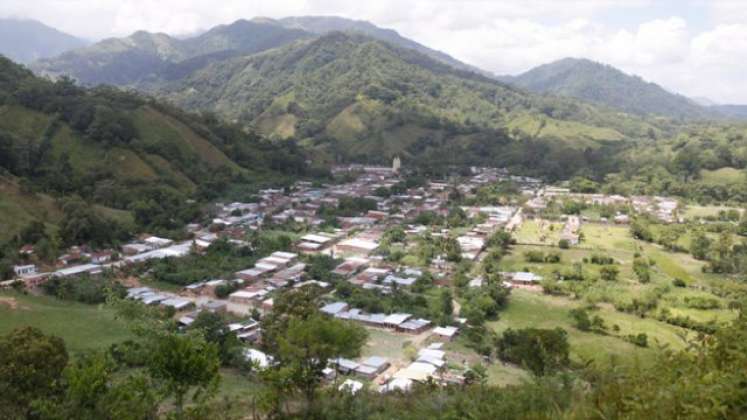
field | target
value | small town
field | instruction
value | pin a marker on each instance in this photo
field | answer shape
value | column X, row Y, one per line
column 377, row 247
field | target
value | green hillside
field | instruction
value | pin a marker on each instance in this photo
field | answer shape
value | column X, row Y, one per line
column 354, row 97
column 117, row 158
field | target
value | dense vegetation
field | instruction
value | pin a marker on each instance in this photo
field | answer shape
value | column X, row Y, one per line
column 105, row 157
column 169, row 374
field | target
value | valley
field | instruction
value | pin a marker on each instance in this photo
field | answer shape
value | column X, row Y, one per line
column 318, row 217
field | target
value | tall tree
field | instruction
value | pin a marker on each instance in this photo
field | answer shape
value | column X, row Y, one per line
column 31, row 366
column 184, row 363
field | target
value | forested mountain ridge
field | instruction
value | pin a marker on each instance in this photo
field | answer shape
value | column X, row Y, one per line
column 118, row 155
column 146, row 57
column 325, row 24
column 365, row 99
column 27, row 40
column 603, row 84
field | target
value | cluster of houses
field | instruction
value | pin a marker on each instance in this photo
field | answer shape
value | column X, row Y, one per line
column 400, row 322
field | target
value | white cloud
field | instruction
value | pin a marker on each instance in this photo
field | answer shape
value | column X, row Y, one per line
column 502, row 36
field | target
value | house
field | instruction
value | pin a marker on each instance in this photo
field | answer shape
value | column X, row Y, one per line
column 397, row 384
column 414, row 326
column 24, row 270
column 258, row 358
column 445, row 333
column 522, row 278
column 356, row 246
column 156, row 242
column 350, row 266
column 178, row 303
column 247, row 296
column 26, row 250
column 378, row 364
column 135, row 248
column 334, row 308
column 215, row 306
column 417, row 372
column 282, row 278
column 351, row 386
column 370, row 275
column 345, row 365
column 101, row 257
column 394, row 320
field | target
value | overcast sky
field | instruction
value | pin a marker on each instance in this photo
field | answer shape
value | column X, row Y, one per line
column 694, row 47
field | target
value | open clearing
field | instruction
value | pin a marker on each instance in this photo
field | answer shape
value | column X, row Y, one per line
column 83, row 327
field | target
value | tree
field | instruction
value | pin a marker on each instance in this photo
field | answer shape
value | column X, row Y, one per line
column 31, row 366
column 609, row 273
column 185, row 362
column 542, row 351
column 447, row 305
column 641, row 269
column 302, row 340
column 95, row 390
column 700, row 245
column 214, row 328
column 308, row 345
column 452, row 249
column 581, row 318
column 687, row 161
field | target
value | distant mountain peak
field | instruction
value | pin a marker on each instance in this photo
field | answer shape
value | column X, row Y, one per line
column 26, row 40
column 604, row 84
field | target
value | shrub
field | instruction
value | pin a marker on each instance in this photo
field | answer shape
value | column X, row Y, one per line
column 640, row 340
column 679, row 283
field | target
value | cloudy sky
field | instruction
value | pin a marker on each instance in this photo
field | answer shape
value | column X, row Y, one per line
column 695, row 47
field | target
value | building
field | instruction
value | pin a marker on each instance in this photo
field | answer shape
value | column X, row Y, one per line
column 24, row 270
column 445, row 333
column 356, row 246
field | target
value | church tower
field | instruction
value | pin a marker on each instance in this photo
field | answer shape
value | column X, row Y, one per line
column 396, row 165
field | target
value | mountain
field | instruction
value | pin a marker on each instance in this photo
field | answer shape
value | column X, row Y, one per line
column 24, row 41
column 349, row 96
column 144, row 57
column 148, row 58
column 133, row 158
column 326, row 24
column 603, row 84
column 703, row 101
column 731, row 111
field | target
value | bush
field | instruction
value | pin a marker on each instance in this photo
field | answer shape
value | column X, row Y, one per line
column 679, row 283
column 564, row 244
column 640, row 340
column 542, row 351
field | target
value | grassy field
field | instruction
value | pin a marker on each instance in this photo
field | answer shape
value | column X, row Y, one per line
column 695, row 211
column 539, row 232
column 533, row 309
column 83, row 327
column 385, row 344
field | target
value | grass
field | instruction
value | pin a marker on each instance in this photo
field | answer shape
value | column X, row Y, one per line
column 385, row 344
column 696, row 211
column 532, row 309
column 18, row 209
column 723, row 176
column 83, row 327
column 539, row 232
column 159, row 128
